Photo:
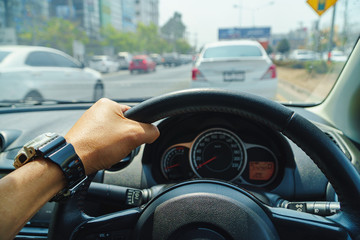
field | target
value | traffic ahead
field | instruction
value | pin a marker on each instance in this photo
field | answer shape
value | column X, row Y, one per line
column 123, row 85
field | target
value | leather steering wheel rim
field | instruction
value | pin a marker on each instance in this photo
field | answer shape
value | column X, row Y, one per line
column 326, row 155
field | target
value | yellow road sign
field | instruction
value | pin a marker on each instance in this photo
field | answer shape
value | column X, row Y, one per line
column 320, row 6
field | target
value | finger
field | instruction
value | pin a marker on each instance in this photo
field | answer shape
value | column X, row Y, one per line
column 151, row 132
column 124, row 108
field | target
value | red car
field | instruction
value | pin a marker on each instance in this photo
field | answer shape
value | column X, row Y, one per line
column 142, row 63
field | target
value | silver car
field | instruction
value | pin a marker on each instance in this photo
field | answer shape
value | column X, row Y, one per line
column 237, row 65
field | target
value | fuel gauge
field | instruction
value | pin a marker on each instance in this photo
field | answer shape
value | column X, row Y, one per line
column 175, row 163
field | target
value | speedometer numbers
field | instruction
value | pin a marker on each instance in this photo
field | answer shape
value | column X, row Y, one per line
column 218, row 153
column 175, row 163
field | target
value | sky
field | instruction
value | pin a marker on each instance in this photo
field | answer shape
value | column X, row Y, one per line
column 203, row 18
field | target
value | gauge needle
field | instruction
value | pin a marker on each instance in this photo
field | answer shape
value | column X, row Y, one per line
column 208, row 161
column 172, row 166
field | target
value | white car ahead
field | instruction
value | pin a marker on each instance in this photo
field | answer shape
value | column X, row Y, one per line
column 104, row 64
column 40, row 73
column 303, row 55
column 237, row 65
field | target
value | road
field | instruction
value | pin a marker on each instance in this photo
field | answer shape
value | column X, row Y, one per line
column 123, row 85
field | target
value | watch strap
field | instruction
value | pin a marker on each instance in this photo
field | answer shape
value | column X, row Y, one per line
column 69, row 162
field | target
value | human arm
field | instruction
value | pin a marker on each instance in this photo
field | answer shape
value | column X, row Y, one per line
column 100, row 137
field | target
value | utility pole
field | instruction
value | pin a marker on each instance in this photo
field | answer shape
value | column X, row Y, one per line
column 345, row 25
column 317, row 36
column 7, row 13
column 330, row 44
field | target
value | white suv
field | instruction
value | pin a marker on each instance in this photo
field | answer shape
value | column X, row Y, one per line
column 41, row 73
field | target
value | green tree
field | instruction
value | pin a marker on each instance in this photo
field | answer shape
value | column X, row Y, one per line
column 283, row 46
column 56, row 33
column 148, row 38
column 182, row 46
column 121, row 41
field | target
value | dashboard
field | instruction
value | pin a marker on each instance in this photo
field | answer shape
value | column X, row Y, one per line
column 190, row 146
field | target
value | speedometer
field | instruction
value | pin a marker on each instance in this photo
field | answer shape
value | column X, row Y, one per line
column 218, row 153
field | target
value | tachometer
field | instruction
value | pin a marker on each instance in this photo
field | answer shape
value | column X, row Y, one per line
column 218, row 153
column 175, row 163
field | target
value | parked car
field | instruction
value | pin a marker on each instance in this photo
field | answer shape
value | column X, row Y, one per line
column 41, row 73
column 336, row 56
column 156, row 58
column 185, row 58
column 237, row 65
column 104, row 64
column 303, row 55
column 171, row 59
column 142, row 63
column 124, row 59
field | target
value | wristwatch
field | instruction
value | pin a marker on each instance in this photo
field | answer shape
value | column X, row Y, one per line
column 54, row 148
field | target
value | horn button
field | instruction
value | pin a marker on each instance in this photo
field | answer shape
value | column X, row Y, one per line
column 205, row 210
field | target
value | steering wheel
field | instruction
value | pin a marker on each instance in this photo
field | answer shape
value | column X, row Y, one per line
column 205, row 209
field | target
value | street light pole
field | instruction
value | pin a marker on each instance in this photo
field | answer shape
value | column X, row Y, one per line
column 330, row 43
column 240, row 11
column 253, row 10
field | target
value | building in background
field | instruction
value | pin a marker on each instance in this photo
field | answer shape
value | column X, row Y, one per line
column 2, row 15
column 22, row 14
column 89, row 15
column 116, row 14
column 17, row 16
column 128, row 15
column 147, row 11
column 105, row 12
column 110, row 14
column 84, row 12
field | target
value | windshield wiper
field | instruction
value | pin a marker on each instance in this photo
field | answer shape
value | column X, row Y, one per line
column 130, row 100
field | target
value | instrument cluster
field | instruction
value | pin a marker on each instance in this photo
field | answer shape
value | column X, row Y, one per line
column 221, row 154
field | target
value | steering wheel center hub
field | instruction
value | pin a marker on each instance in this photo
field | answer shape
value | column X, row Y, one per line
column 208, row 209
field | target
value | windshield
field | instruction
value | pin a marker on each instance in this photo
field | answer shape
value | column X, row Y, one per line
column 129, row 50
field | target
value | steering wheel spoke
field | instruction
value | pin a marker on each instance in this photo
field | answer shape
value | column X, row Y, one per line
column 116, row 225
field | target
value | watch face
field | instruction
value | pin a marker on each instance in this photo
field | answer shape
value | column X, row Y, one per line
column 30, row 149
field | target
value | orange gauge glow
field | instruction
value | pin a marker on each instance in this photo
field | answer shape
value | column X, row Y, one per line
column 261, row 171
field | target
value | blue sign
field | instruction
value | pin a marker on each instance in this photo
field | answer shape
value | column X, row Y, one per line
column 244, row 33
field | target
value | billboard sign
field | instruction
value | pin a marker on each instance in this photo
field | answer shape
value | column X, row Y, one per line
column 244, row 33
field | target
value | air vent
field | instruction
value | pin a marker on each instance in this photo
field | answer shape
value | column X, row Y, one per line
column 8, row 137
column 334, row 139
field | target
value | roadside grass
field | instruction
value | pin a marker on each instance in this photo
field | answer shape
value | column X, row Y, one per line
column 307, row 78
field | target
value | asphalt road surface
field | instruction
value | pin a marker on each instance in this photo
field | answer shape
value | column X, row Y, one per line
column 123, row 85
